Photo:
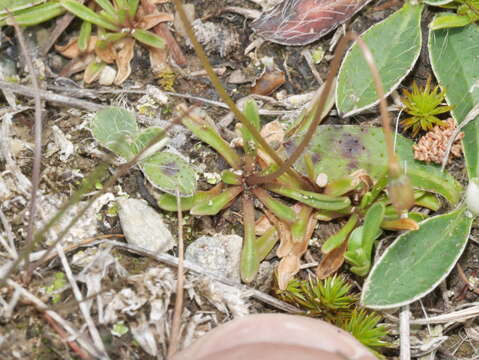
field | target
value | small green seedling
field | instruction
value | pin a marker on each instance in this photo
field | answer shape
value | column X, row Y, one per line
column 116, row 129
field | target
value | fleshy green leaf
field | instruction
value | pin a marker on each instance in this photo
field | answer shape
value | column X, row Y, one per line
column 207, row 133
column 115, row 129
column 448, row 20
column 107, row 6
column 148, row 38
column 214, row 205
column 335, row 240
column 87, row 14
column 417, row 261
column 84, row 37
column 361, row 243
column 315, row 200
column 37, row 14
column 337, row 151
column 395, row 44
column 168, row 172
column 454, row 60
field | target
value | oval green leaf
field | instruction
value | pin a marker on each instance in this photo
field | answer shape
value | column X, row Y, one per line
column 337, row 151
column 168, row 172
column 115, row 129
column 454, row 60
column 395, row 44
column 417, row 261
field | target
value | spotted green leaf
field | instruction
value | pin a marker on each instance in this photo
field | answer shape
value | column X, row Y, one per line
column 337, row 151
column 115, row 129
column 168, row 171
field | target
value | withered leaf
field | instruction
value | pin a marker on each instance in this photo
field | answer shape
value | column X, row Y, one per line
column 123, row 60
column 300, row 22
column 331, row 262
column 268, row 82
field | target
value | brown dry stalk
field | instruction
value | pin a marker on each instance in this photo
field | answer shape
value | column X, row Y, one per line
column 394, row 167
column 176, row 323
column 37, row 151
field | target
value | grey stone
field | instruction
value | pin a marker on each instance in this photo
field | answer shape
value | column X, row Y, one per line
column 143, row 226
column 220, row 254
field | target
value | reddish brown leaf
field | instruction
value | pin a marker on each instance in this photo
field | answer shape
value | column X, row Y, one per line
column 331, row 262
column 148, row 21
column 71, row 49
column 300, row 22
column 268, row 82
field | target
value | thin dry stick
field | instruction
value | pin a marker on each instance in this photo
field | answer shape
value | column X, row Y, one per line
column 176, row 324
column 404, row 330
column 11, row 238
column 95, row 335
column 41, row 306
column 394, row 167
column 50, row 96
column 473, row 114
column 37, row 151
column 74, row 346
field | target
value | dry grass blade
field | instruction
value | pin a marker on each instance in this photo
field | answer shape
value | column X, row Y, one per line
column 176, row 324
column 84, row 308
column 37, row 152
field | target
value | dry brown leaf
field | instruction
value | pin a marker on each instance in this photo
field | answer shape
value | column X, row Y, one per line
column 123, row 60
column 71, row 49
column 174, row 49
column 77, row 64
column 148, row 21
column 92, row 72
column 268, row 82
column 287, row 268
column 273, row 133
column 262, row 225
column 400, row 224
column 106, row 53
column 331, row 262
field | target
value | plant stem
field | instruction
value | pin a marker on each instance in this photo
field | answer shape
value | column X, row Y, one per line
column 224, row 95
column 394, row 168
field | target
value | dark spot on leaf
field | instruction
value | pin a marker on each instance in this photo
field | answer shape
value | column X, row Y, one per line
column 315, row 158
column 351, row 146
column 170, row 169
column 289, row 146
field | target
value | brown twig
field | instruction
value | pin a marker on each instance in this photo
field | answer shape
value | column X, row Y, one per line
column 50, row 96
column 176, row 323
column 37, row 151
column 60, row 27
column 73, row 345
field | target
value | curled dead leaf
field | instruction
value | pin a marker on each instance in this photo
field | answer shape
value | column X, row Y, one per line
column 71, row 50
column 268, row 82
column 123, row 60
column 287, row 268
column 148, row 21
column 331, row 262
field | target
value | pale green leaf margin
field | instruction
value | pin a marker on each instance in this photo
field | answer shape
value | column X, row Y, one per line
column 454, row 55
column 460, row 217
column 355, row 91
